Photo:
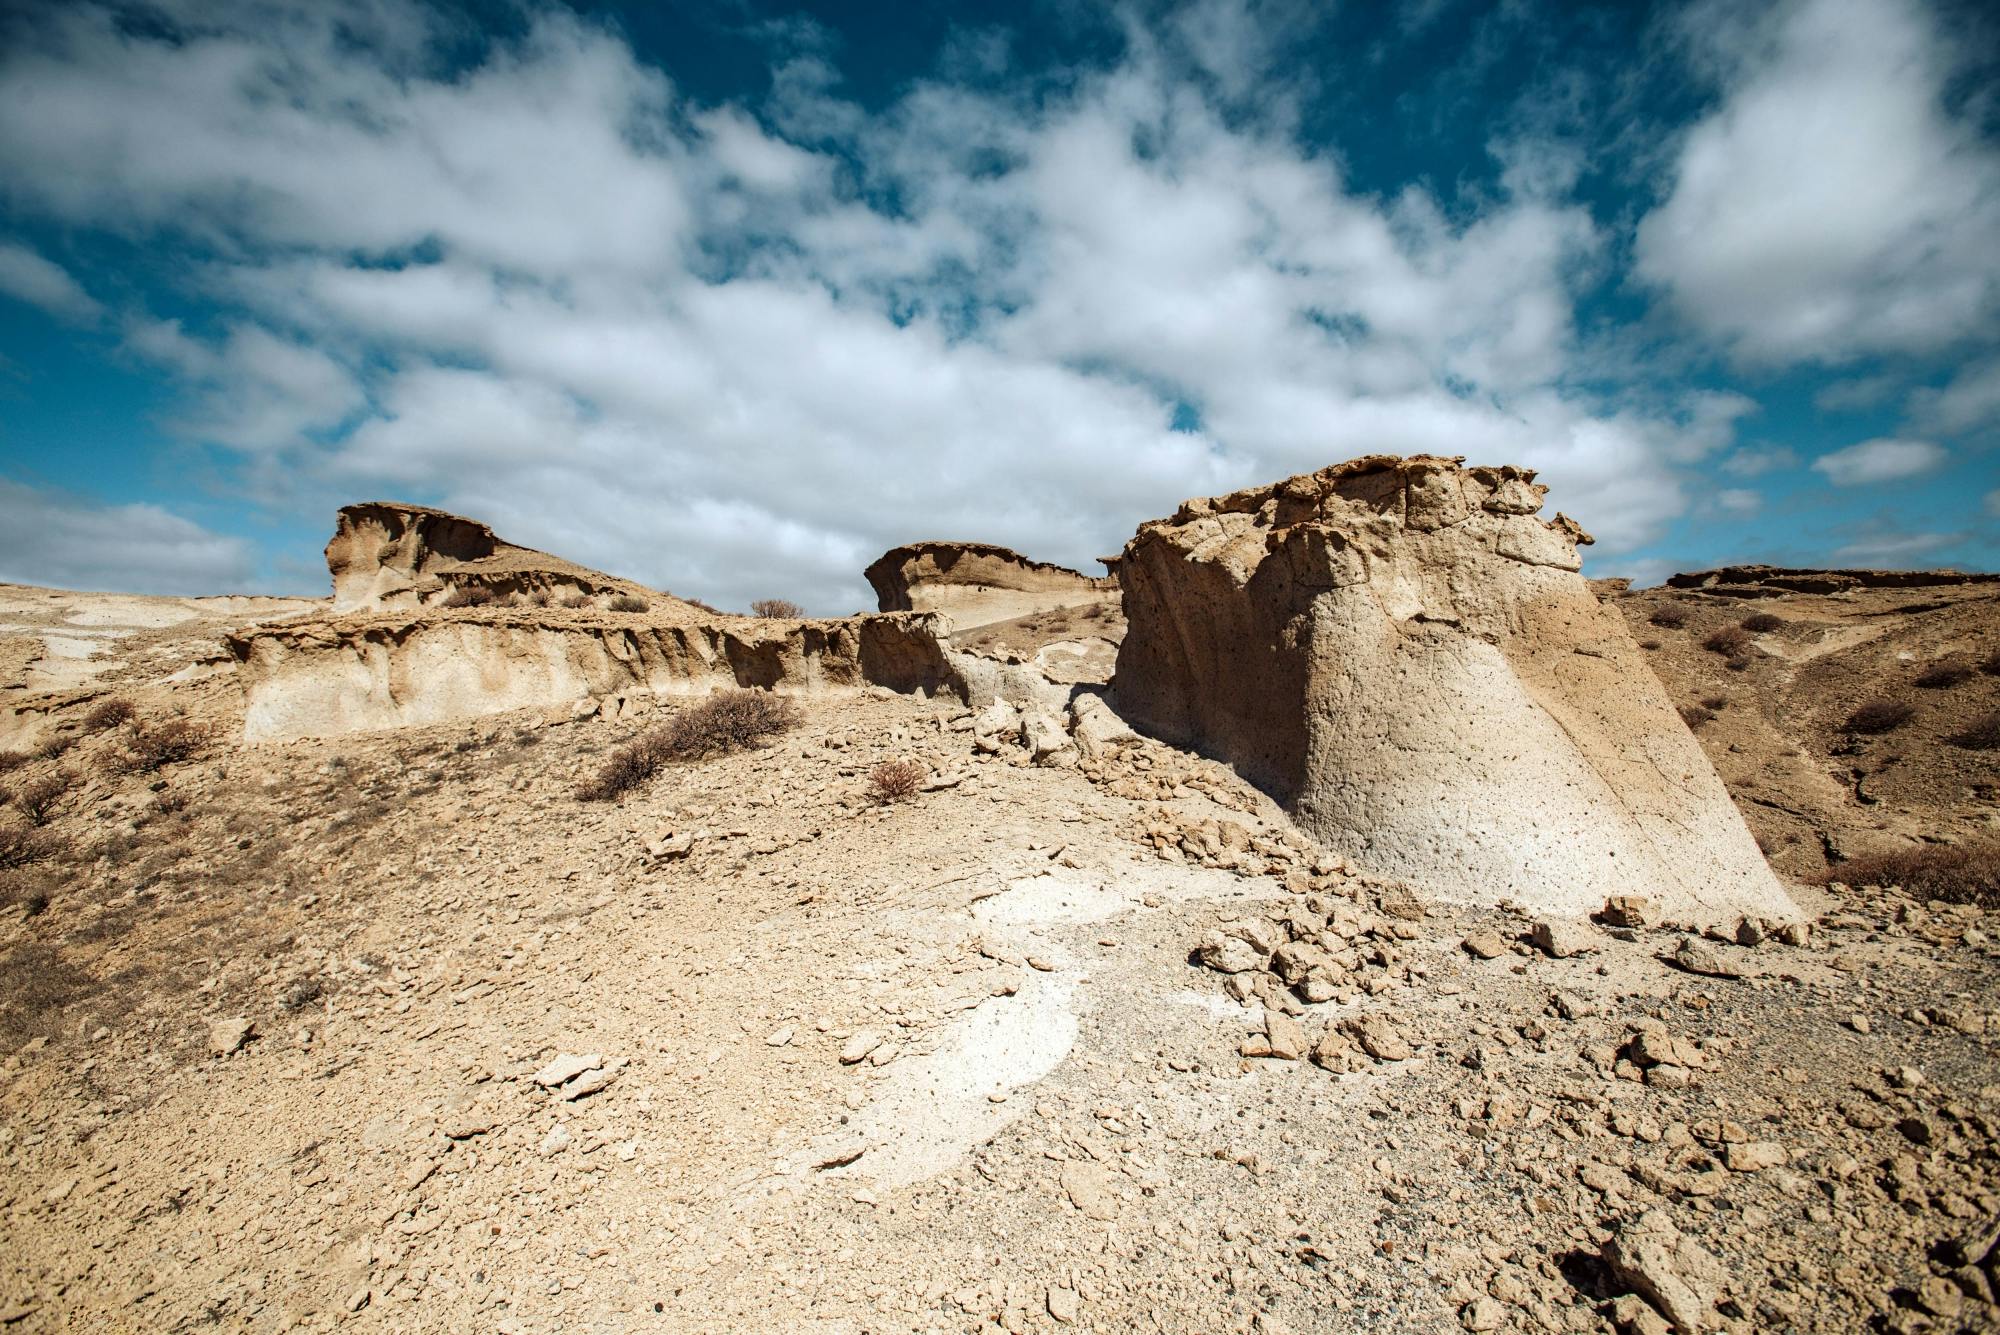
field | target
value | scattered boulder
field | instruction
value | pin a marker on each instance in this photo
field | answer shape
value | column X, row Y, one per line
column 1668, row 1269
column 1561, row 940
column 229, row 1036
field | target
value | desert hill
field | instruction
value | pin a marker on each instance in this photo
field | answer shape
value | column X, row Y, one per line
column 440, row 956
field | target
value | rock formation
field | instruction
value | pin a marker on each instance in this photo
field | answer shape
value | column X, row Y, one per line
column 1406, row 657
column 386, row 554
column 976, row 583
column 1778, row 581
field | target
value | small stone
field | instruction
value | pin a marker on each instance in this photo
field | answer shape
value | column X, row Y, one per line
column 1666, row 1268
column 565, row 1068
column 1286, row 1037
column 1628, row 911
column 1062, row 1303
column 1484, row 945
column 588, row 1083
column 1691, row 956
column 1755, row 1156
column 1562, row 940
column 1230, row 954
column 857, row 1048
column 228, row 1036
column 1859, row 1024
column 1940, row 1297
column 1633, row 1317
column 1482, row 1314
column 779, row 1038
column 556, row 1141
column 1399, row 901
column 1379, row 1038
column 1088, row 1186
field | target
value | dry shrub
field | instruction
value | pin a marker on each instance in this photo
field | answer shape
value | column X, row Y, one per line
column 628, row 602
column 1955, row 873
column 55, row 746
column 1990, row 664
column 39, row 798
column 468, row 595
column 1716, row 702
column 575, row 600
column 539, row 598
column 777, row 608
column 1762, row 622
column 24, row 846
column 727, row 721
column 1730, row 640
column 1941, row 676
column 1982, row 734
column 1670, row 617
column 36, row 982
column 1878, row 716
column 1649, row 644
column 152, row 747
column 1696, row 715
column 108, row 714
column 894, row 780
column 13, row 760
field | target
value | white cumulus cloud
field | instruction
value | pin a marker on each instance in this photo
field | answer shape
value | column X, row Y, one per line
column 48, row 538
column 1882, row 460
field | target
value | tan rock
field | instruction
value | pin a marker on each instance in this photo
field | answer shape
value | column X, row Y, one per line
column 1562, row 940
column 976, row 583
column 1412, row 627
column 1668, row 1269
column 1379, row 1038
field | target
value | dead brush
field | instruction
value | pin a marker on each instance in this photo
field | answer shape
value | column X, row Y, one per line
column 23, row 845
column 1878, row 716
column 896, row 780
column 1696, row 715
column 726, row 721
column 777, row 609
column 627, row 602
column 1954, row 873
column 152, row 747
column 1669, row 617
column 13, row 760
column 467, row 595
column 55, row 746
column 38, row 799
column 1730, row 641
column 1760, row 623
column 109, row 714
column 1982, row 734
column 1944, row 676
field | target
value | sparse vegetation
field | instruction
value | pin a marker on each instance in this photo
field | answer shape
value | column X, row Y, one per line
column 1878, row 716
column 1732, row 641
column 1696, row 715
column 1760, row 623
column 152, row 747
column 468, row 595
column 777, row 608
column 627, row 602
column 13, row 760
column 22, row 845
column 38, row 798
column 1990, row 664
column 1669, row 617
column 108, row 714
column 727, row 721
column 1649, row 644
column 36, row 981
column 302, row 994
column 539, row 598
column 55, row 746
column 894, row 780
column 573, row 601
column 1715, row 702
column 1943, row 676
column 1982, row 734
column 1955, row 873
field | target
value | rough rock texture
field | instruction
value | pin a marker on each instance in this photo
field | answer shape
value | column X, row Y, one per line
column 1777, row 581
column 977, row 583
column 351, row 674
column 1404, row 656
column 386, row 554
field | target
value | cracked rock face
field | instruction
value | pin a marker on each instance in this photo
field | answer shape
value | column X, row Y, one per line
column 1403, row 654
column 976, row 583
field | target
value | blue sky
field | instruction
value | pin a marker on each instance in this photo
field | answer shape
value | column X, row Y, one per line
column 730, row 297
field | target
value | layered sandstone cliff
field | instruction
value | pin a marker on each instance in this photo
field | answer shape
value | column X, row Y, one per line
column 977, row 583
column 388, row 554
column 1403, row 654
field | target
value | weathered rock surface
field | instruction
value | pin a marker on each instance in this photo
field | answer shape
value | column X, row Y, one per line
column 1400, row 652
column 387, row 554
column 977, row 583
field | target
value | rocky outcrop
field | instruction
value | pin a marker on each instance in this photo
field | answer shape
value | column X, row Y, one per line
column 362, row 673
column 386, row 554
column 977, row 583
column 1406, row 657
column 1778, row 581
